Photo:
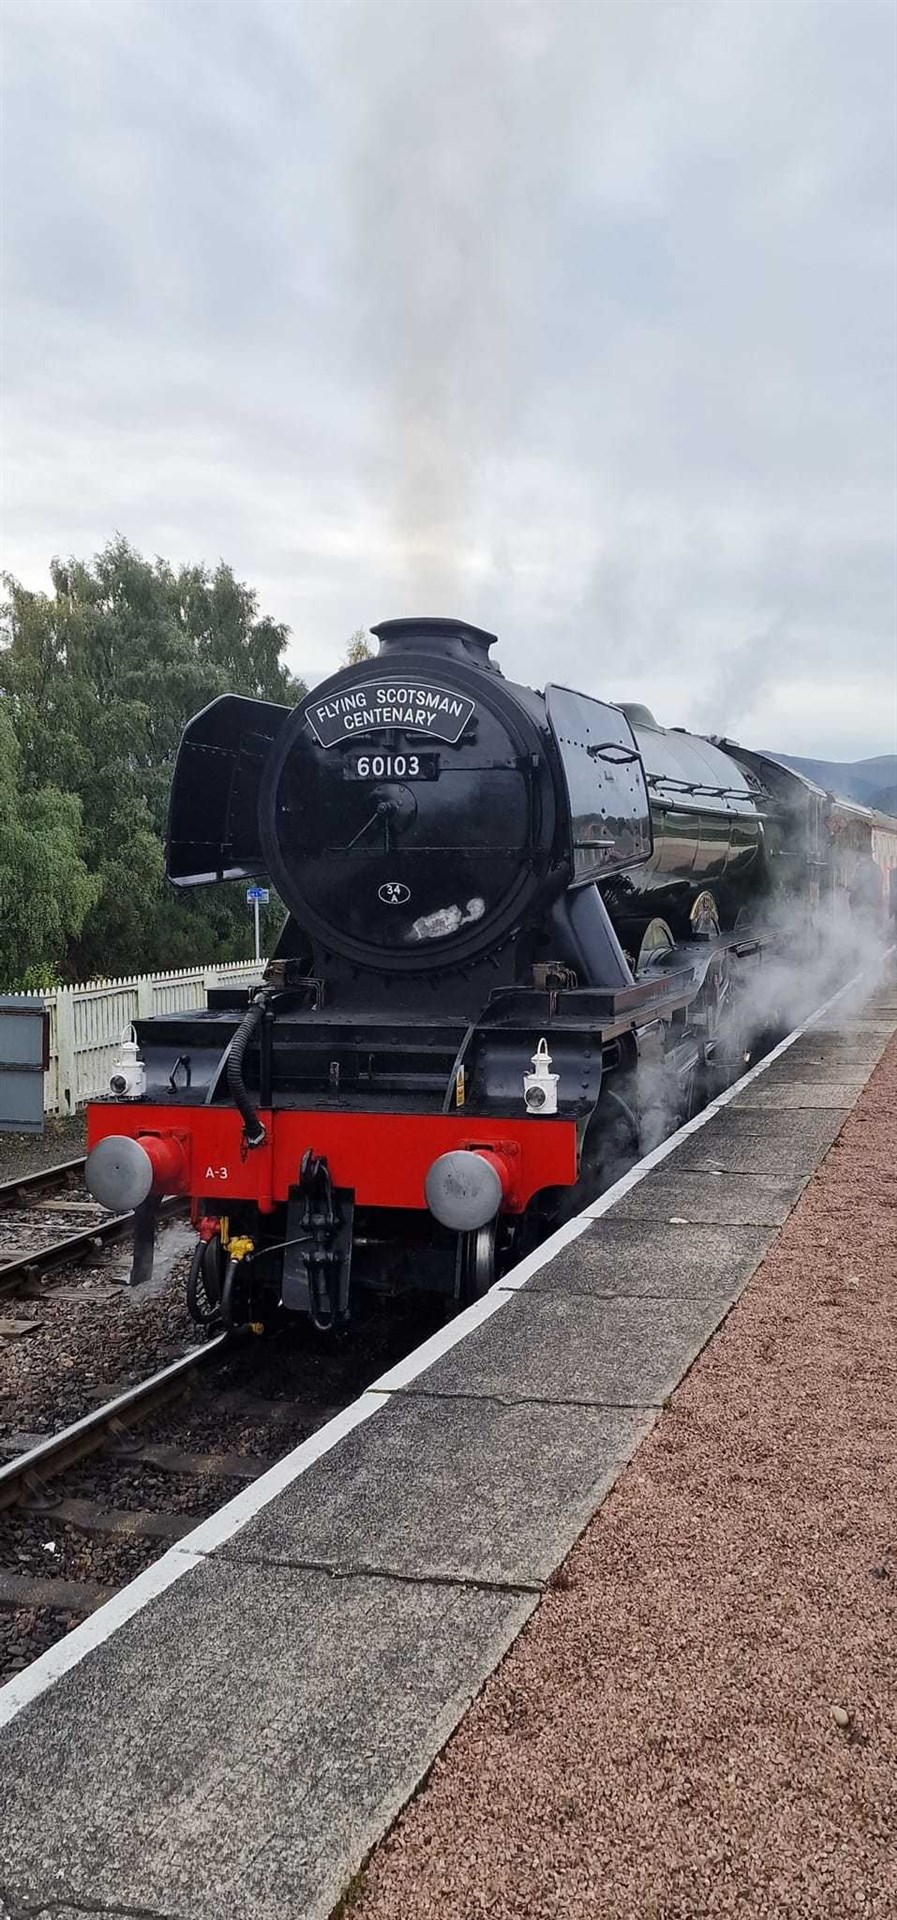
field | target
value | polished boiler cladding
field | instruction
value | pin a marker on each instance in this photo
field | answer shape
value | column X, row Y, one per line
column 517, row 926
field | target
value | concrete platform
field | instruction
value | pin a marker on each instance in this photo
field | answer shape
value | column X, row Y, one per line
column 677, row 1193
column 568, row 1349
column 241, row 1736
column 507, row 1524
column 790, row 1096
column 784, row 1145
column 650, row 1258
column 235, row 1731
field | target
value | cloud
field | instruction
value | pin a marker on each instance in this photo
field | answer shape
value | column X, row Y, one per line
column 575, row 320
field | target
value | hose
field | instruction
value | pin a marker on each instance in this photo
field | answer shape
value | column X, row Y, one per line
column 228, row 1299
column 203, row 1283
column 253, row 1129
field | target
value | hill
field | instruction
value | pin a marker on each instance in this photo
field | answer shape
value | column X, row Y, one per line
column 871, row 782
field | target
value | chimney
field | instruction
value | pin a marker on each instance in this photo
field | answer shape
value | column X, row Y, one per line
column 447, row 639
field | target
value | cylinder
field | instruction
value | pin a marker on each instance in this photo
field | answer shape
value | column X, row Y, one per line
column 121, row 1172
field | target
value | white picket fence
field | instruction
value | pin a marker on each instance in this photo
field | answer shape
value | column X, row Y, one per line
column 86, row 1023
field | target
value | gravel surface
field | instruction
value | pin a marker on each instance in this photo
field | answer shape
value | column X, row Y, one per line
column 701, row 1718
column 25, row 1633
column 33, row 1543
column 31, row 1152
column 27, row 1230
column 83, row 1349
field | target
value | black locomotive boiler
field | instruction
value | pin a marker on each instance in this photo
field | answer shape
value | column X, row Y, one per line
column 514, row 922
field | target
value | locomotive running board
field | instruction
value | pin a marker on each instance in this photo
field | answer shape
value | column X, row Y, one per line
column 585, row 1026
column 675, row 979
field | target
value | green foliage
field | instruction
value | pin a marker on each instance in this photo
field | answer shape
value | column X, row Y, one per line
column 358, row 648
column 97, row 680
column 46, row 891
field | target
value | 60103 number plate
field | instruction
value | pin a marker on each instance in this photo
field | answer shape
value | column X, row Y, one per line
column 393, row 766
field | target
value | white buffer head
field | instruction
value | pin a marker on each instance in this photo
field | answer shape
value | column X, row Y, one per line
column 463, row 1190
column 119, row 1173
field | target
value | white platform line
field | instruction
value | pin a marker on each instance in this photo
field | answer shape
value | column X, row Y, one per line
column 194, row 1548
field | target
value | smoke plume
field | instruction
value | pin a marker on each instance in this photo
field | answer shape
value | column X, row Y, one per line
column 466, row 143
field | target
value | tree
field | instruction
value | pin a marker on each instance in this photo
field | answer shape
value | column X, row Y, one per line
column 98, row 679
column 46, row 891
column 358, row 648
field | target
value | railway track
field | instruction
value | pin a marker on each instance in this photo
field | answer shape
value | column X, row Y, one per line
column 84, row 1510
column 23, row 1477
column 34, row 1205
column 104, row 1496
column 12, row 1192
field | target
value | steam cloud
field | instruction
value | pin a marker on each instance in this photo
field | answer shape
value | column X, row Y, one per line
column 467, row 129
column 808, row 957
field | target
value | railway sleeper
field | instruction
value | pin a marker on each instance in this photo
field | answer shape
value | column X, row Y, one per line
column 31, row 1590
column 90, row 1516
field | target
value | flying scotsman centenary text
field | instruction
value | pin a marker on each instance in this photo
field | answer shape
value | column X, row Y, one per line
column 374, row 706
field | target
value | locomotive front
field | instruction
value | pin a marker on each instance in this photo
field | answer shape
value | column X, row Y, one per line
column 440, row 1061
column 408, row 812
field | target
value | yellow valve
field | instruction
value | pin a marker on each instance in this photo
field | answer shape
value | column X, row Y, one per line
column 256, row 1326
column 239, row 1246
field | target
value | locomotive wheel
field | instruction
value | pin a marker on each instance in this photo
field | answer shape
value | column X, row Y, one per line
column 704, row 917
column 204, row 1283
column 476, row 1262
column 657, row 941
column 715, row 1019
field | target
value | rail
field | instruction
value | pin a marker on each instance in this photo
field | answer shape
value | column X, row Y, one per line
column 23, row 1184
column 22, row 1476
column 26, row 1268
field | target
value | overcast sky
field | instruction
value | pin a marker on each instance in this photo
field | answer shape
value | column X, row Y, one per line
column 577, row 321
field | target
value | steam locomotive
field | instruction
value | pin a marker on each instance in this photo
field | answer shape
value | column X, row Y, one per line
column 517, row 924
